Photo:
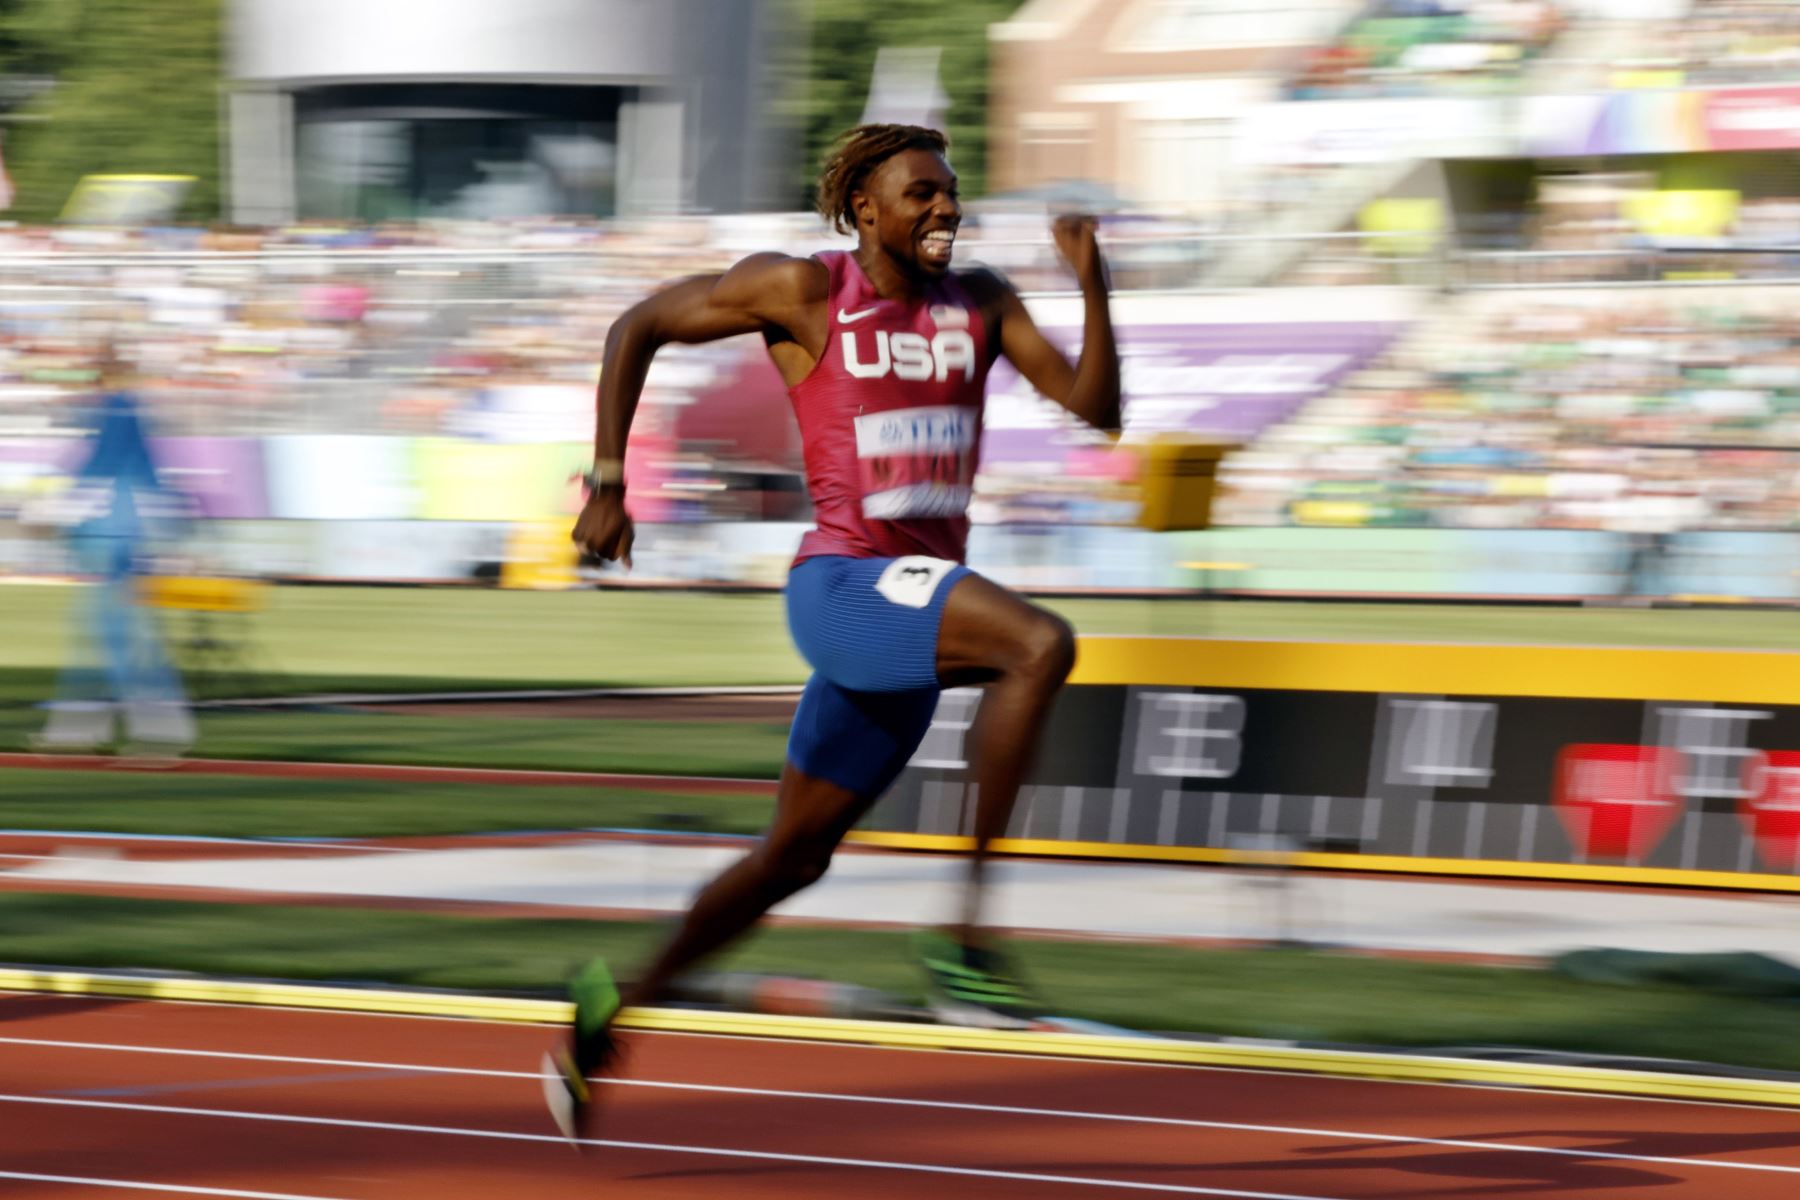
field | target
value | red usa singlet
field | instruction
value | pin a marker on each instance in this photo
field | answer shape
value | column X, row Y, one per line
column 890, row 419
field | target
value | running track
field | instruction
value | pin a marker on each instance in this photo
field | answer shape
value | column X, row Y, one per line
column 114, row 1098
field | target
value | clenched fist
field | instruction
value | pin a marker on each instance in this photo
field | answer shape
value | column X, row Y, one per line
column 1075, row 239
column 604, row 528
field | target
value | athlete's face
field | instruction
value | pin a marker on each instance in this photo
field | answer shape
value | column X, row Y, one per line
column 909, row 207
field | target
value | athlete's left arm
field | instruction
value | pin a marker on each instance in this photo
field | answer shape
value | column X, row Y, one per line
column 1090, row 387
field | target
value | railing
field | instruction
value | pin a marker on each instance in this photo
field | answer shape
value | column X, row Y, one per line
column 1668, row 266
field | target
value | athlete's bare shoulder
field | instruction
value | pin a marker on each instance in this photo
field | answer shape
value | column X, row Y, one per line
column 779, row 282
column 783, row 296
column 758, row 293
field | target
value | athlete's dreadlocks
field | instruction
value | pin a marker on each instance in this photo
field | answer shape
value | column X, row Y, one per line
column 859, row 152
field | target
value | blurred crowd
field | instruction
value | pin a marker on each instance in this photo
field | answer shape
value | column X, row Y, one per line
column 1478, row 47
column 1718, row 42
column 1603, row 229
column 351, row 330
column 1607, row 224
column 406, row 328
column 1635, row 416
column 1430, row 47
column 1655, row 413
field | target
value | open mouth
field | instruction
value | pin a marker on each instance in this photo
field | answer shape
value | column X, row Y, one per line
column 936, row 246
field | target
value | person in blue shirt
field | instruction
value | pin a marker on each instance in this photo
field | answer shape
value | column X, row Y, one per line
column 118, row 665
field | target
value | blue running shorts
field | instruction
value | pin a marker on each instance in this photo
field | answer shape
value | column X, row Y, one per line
column 869, row 627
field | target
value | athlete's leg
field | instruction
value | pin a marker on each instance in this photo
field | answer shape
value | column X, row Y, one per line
column 1024, row 654
column 845, row 749
column 811, row 817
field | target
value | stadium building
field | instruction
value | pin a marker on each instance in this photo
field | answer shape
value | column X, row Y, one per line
column 1143, row 96
column 468, row 109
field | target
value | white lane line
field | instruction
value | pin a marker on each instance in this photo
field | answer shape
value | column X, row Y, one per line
column 816, row 1160
column 401, row 1070
column 1320, row 1078
column 134, row 1185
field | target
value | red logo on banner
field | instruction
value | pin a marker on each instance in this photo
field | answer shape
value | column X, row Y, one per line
column 1616, row 801
column 1762, row 118
column 1771, row 811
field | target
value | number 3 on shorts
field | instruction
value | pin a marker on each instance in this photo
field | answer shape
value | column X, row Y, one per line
column 913, row 580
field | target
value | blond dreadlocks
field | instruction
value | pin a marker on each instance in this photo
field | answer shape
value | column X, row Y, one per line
column 858, row 152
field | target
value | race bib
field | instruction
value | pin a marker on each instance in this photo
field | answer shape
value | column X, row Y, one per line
column 913, row 580
column 917, row 462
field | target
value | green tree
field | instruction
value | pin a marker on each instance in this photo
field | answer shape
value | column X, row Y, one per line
column 845, row 36
column 137, row 92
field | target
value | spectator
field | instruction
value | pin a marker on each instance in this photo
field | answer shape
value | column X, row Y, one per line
column 118, row 667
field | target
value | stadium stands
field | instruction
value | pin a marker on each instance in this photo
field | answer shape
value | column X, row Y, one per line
column 1418, row 47
column 1716, row 42
column 1483, row 47
column 1618, row 411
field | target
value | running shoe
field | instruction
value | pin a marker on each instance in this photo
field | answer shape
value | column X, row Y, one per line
column 590, row 1048
column 974, row 985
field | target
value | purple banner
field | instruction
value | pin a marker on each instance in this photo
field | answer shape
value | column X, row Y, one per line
column 1229, row 381
column 48, row 456
column 224, row 476
column 1225, row 381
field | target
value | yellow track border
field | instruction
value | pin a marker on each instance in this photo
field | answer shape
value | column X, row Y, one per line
column 1165, row 1051
column 1448, row 669
column 1385, row 864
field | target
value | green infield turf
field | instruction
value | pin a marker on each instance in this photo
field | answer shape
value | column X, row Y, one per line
column 729, row 749
column 137, row 801
column 1288, row 994
column 361, row 637
column 357, row 637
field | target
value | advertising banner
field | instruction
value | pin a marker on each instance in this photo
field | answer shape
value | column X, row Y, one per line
column 1544, row 563
column 222, row 476
column 1771, row 808
column 1323, row 132
column 473, row 481
column 1629, row 122
column 405, row 550
column 1452, row 778
column 1661, row 121
column 1761, row 118
column 357, row 478
column 339, row 478
column 1422, row 562
column 1228, row 381
column 1540, row 563
column 279, row 549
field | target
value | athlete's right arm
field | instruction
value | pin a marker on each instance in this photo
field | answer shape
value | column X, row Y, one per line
column 761, row 292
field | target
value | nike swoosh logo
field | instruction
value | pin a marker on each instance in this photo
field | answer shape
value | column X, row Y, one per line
column 850, row 318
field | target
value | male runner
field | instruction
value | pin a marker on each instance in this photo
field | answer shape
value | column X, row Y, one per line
column 885, row 351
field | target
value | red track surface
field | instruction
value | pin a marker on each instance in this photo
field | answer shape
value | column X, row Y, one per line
column 299, row 1104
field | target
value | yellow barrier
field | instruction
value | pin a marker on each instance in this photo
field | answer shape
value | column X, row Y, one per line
column 1178, row 480
column 203, row 594
column 1427, row 668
